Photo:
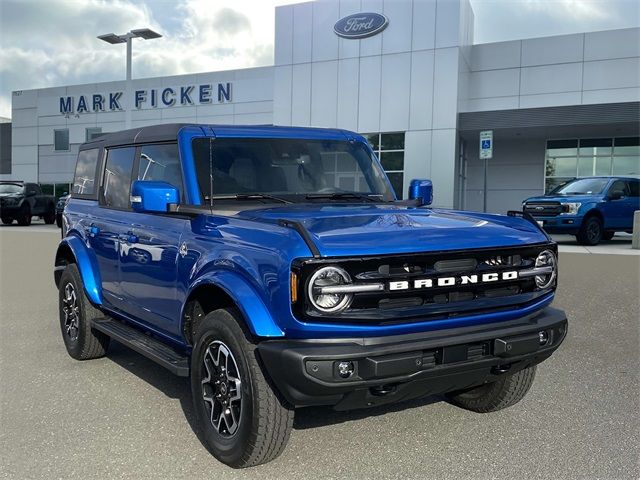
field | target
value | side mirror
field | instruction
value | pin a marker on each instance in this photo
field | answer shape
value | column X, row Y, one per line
column 150, row 196
column 421, row 190
column 616, row 195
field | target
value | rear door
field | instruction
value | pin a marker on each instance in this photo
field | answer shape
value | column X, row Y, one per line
column 109, row 228
column 149, row 262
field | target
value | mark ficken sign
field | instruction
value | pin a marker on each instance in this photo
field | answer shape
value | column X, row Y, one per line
column 203, row 94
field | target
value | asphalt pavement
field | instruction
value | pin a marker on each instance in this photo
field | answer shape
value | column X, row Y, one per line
column 124, row 417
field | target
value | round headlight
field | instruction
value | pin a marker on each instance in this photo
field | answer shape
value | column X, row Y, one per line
column 325, row 301
column 546, row 258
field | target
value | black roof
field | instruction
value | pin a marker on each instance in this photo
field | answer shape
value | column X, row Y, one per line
column 153, row 133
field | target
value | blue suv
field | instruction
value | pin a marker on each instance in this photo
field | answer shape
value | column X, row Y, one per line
column 591, row 208
column 275, row 267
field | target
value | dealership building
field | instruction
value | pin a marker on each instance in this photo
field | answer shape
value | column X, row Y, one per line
column 404, row 73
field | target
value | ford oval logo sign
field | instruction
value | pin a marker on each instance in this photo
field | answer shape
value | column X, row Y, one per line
column 360, row 25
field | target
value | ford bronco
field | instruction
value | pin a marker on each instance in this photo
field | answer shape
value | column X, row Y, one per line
column 591, row 208
column 277, row 269
column 22, row 200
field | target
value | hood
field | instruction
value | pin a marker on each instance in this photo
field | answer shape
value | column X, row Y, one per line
column 353, row 230
column 565, row 198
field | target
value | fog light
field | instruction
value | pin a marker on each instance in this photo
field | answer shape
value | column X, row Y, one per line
column 345, row 369
column 543, row 337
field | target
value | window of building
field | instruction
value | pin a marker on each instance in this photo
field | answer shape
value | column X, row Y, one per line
column 389, row 148
column 568, row 159
column 47, row 188
column 92, row 132
column 117, row 177
column 61, row 140
column 85, row 175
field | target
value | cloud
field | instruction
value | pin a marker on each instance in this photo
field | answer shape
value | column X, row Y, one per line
column 53, row 43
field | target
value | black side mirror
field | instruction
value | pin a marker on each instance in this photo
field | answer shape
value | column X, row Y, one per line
column 616, row 195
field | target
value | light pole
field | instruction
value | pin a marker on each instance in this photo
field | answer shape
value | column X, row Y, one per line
column 112, row 38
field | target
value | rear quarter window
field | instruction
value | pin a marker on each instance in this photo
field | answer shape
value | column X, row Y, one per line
column 84, row 179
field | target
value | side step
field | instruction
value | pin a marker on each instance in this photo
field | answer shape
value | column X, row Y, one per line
column 146, row 345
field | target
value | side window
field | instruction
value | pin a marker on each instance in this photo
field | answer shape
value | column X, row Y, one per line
column 634, row 188
column 161, row 163
column 84, row 178
column 117, row 177
column 619, row 186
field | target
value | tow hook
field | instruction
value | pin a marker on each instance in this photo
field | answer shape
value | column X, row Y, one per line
column 381, row 390
column 500, row 369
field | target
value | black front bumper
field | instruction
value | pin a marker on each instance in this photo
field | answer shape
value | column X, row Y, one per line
column 401, row 367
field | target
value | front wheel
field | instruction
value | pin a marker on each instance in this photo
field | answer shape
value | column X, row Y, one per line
column 24, row 218
column 7, row 220
column 494, row 396
column 590, row 232
column 244, row 421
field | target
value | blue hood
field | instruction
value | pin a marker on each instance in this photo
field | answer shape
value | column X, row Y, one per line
column 353, row 230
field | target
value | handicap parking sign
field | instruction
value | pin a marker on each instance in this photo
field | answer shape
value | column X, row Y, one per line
column 486, row 144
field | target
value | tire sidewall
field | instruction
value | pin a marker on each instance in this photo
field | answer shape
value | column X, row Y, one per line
column 591, row 221
column 215, row 326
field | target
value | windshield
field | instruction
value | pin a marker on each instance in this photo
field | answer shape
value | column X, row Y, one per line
column 11, row 188
column 289, row 169
column 582, row 186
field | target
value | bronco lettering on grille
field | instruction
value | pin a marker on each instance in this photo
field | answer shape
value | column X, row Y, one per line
column 452, row 281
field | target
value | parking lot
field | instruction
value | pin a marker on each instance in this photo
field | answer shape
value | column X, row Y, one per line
column 125, row 417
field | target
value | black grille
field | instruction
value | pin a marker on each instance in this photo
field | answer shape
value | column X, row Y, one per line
column 543, row 209
column 396, row 306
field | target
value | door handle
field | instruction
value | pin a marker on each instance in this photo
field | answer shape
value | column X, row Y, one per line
column 93, row 230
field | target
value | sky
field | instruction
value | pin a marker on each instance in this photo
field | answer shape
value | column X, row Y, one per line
column 46, row 43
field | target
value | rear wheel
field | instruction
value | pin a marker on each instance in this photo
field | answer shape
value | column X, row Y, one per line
column 50, row 217
column 494, row 396
column 244, row 422
column 24, row 218
column 590, row 231
column 7, row 220
column 76, row 315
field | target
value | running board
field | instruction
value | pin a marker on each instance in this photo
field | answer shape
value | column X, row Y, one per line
column 146, row 345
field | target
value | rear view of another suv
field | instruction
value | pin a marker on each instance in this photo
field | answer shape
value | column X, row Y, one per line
column 592, row 208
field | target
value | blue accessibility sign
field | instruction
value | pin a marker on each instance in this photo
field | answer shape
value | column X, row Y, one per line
column 486, row 144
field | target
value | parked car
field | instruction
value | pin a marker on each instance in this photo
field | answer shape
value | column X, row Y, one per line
column 277, row 269
column 62, row 201
column 22, row 200
column 591, row 208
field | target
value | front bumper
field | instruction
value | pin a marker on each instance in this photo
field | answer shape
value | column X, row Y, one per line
column 401, row 367
column 569, row 224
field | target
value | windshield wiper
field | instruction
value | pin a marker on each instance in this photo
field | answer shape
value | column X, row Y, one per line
column 341, row 195
column 250, row 196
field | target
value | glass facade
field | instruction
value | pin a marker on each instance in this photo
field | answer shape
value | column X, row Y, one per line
column 568, row 159
column 56, row 189
column 389, row 148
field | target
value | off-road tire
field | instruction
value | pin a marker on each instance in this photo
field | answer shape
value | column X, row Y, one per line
column 265, row 420
column 590, row 232
column 50, row 217
column 494, row 396
column 24, row 218
column 89, row 343
column 7, row 220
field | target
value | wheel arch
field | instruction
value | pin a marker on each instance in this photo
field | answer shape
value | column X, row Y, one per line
column 225, row 289
column 73, row 250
